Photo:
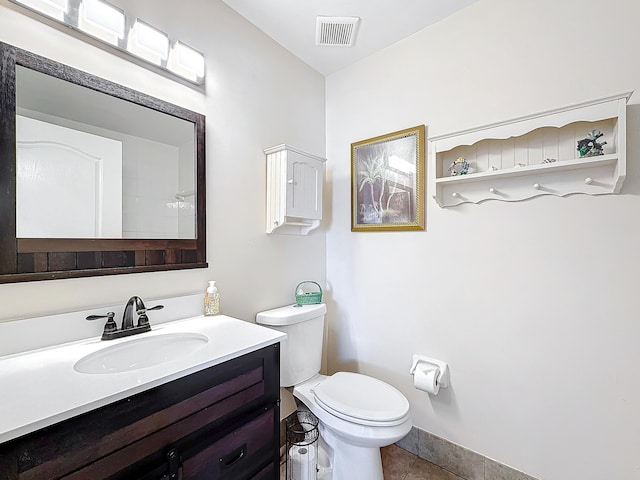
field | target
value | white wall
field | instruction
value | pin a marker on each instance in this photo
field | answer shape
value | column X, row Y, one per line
column 533, row 304
column 150, row 174
column 257, row 95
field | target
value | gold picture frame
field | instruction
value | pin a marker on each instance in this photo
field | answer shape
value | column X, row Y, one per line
column 387, row 182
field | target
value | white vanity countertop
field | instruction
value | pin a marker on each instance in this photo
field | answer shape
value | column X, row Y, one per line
column 41, row 387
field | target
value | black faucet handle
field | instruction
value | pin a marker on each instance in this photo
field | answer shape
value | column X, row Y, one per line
column 143, row 320
column 109, row 315
column 110, row 326
column 142, row 310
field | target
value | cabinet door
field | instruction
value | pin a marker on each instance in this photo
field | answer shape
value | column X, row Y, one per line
column 269, row 472
column 304, row 186
column 237, row 455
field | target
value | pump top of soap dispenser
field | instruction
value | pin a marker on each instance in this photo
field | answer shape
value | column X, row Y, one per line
column 212, row 287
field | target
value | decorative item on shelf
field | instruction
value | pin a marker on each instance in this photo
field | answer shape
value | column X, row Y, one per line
column 590, row 147
column 519, row 165
column 550, row 160
column 460, row 166
column 492, row 168
column 305, row 297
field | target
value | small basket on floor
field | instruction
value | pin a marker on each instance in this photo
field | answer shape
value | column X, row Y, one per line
column 305, row 297
column 302, row 446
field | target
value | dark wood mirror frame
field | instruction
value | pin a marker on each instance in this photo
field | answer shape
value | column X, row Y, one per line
column 28, row 259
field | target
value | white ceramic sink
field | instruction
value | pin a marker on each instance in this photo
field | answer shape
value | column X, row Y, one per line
column 141, row 353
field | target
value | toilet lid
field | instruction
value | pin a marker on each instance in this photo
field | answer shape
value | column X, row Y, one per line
column 361, row 399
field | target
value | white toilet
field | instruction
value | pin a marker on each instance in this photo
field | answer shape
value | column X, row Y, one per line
column 357, row 414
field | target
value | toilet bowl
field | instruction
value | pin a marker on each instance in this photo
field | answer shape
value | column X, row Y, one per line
column 357, row 413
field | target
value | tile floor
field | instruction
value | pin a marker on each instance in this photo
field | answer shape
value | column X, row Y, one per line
column 399, row 464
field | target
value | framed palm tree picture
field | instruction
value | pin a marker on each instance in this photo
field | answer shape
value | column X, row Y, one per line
column 387, row 182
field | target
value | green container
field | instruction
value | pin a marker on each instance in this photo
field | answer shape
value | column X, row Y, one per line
column 308, row 298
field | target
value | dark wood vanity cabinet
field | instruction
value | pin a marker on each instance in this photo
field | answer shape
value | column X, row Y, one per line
column 219, row 423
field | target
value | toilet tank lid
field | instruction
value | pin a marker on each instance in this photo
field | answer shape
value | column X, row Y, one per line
column 291, row 314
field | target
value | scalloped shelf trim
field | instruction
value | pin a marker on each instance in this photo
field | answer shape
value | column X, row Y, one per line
column 524, row 197
column 595, row 110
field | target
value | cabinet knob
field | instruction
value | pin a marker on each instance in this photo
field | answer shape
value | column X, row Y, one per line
column 588, row 181
column 290, row 181
column 492, row 190
column 455, row 194
column 536, row 186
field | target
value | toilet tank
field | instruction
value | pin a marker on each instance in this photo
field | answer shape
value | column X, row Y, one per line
column 301, row 351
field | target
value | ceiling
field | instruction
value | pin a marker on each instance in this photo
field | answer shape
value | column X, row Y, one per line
column 292, row 23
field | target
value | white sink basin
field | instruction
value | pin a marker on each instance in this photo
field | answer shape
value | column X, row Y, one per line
column 141, row 353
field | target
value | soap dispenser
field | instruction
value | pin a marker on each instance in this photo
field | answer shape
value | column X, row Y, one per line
column 211, row 300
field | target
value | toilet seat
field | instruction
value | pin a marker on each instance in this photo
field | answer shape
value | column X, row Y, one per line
column 361, row 399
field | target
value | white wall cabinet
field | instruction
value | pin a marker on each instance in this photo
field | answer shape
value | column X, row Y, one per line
column 294, row 190
column 511, row 159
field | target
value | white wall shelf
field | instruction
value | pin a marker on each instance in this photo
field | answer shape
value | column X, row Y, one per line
column 294, row 190
column 508, row 158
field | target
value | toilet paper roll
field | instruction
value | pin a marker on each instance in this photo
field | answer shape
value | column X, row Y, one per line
column 302, row 462
column 426, row 379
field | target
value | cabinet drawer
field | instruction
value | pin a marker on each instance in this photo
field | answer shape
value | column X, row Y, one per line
column 235, row 455
column 267, row 473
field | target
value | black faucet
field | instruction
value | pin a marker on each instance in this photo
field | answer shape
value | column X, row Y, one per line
column 134, row 305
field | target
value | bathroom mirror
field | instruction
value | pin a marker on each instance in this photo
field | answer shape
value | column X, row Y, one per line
column 95, row 178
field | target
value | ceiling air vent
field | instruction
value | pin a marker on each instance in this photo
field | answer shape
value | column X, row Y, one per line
column 336, row 31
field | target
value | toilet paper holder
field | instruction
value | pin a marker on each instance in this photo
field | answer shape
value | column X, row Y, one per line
column 443, row 368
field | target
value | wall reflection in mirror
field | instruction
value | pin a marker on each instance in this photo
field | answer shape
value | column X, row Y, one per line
column 90, row 165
